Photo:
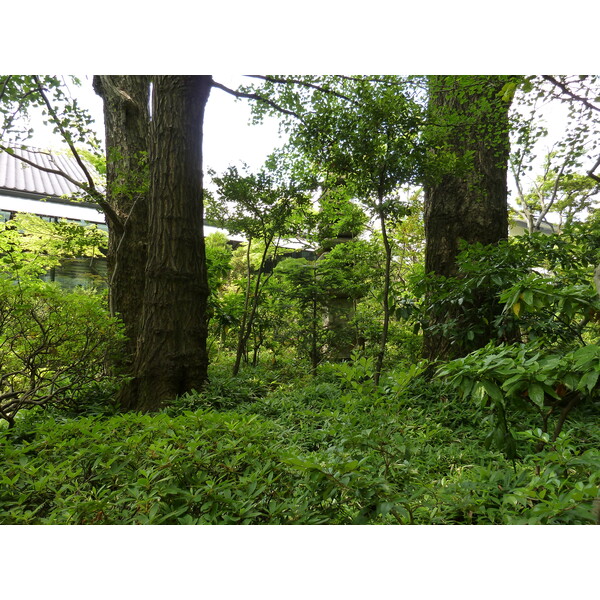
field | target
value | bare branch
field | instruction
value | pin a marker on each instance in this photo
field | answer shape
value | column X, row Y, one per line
column 570, row 93
column 260, row 99
column 305, row 84
column 4, row 86
column 64, row 134
column 546, row 209
column 45, row 169
column 92, row 192
column 591, row 173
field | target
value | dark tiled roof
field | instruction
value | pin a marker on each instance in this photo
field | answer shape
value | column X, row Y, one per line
column 19, row 176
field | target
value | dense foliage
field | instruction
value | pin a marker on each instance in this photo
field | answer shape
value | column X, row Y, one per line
column 319, row 408
column 53, row 343
column 273, row 447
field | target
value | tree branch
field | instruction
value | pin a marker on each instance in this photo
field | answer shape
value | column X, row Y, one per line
column 545, row 209
column 591, row 173
column 305, row 84
column 569, row 93
column 260, row 99
column 4, row 86
column 90, row 188
column 92, row 192
column 64, row 134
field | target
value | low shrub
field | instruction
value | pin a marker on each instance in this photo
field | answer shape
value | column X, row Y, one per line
column 325, row 453
column 53, row 345
column 514, row 380
column 132, row 469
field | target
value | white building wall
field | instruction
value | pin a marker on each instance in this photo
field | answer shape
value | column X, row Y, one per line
column 46, row 208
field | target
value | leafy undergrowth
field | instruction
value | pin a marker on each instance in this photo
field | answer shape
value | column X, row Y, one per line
column 332, row 451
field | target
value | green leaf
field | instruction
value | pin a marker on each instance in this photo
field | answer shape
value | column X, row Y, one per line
column 585, row 354
column 153, row 510
column 527, row 86
column 384, row 508
column 493, row 391
column 536, row 393
column 588, row 381
column 499, row 438
column 508, row 91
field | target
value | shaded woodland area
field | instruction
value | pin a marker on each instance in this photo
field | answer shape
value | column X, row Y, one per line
column 379, row 350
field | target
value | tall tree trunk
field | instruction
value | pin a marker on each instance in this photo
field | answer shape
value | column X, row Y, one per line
column 171, row 356
column 386, row 296
column 469, row 123
column 241, row 344
column 126, row 123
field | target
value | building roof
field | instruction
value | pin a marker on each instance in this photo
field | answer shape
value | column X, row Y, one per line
column 519, row 226
column 16, row 175
column 22, row 186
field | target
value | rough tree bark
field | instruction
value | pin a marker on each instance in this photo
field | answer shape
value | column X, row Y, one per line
column 468, row 118
column 171, row 356
column 126, row 123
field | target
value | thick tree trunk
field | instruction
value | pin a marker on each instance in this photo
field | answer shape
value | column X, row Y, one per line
column 126, row 124
column 469, row 122
column 171, row 356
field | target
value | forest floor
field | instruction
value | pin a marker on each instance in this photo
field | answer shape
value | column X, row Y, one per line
column 276, row 446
